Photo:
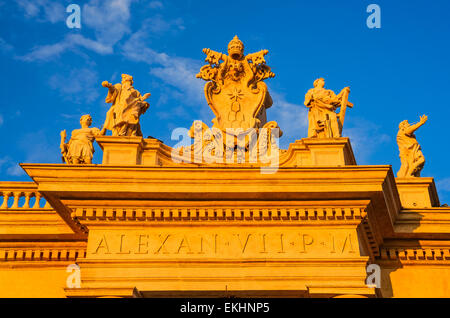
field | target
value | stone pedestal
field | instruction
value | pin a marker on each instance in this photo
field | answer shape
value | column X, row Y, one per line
column 330, row 151
column 417, row 192
column 319, row 152
column 121, row 150
column 131, row 150
column 151, row 153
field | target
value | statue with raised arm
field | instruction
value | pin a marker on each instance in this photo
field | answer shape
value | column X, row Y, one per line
column 411, row 156
column 127, row 106
column 80, row 148
column 324, row 122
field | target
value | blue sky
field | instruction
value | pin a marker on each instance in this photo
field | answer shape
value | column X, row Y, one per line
column 51, row 75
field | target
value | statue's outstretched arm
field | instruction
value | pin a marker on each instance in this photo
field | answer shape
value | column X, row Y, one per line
column 146, row 95
column 411, row 129
column 109, row 86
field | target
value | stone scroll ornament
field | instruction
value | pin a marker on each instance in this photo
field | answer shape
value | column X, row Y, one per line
column 80, row 148
column 127, row 107
column 235, row 90
column 323, row 120
column 411, row 156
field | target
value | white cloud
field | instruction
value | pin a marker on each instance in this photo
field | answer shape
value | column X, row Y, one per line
column 11, row 168
column 291, row 118
column 45, row 52
column 365, row 137
column 108, row 19
column 31, row 8
column 176, row 72
column 15, row 170
column 39, row 149
column 71, row 41
column 159, row 25
column 79, row 86
column 180, row 72
column 43, row 10
column 155, row 5
column 36, row 148
column 444, row 185
column 178, row 75
column 92, row 45
column 3, row 161
column 5, row 47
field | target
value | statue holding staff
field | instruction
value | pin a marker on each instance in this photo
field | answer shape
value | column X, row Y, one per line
column 324, row 122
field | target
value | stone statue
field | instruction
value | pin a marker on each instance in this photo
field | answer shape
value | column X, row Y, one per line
column 127, row 106
column 235, row 90
column 324, row 122
column 80, row 149
column 411, row 157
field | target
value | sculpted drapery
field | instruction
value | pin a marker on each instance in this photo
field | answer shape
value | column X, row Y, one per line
column 80, row 148
column 127, row 106
column 411, row 156
column 323, row 120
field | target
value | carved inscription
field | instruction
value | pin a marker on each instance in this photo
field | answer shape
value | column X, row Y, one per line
column 215, row 243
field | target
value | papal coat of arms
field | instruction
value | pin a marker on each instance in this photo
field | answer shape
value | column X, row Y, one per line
column 235, row 90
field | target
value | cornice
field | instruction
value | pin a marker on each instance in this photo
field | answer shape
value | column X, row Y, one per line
column 429, row 223
column 201, row 214
column 415, row 255
column 41, row 251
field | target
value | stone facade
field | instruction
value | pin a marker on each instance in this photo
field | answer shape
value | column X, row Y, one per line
column 153, row 221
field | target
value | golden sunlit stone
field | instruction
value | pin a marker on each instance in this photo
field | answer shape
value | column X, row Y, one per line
column 149, row 221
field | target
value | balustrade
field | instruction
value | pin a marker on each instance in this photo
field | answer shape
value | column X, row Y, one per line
column 19, row 190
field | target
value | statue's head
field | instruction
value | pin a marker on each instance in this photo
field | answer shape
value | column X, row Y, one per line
column 86, row 119
column 403, row 125
column 127, row 78
column 320, row 82
column 236, row 48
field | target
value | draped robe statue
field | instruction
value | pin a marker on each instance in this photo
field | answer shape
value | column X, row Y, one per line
column 127, row 106
column 411, row 156
column 324, row 122
column 80, row 148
